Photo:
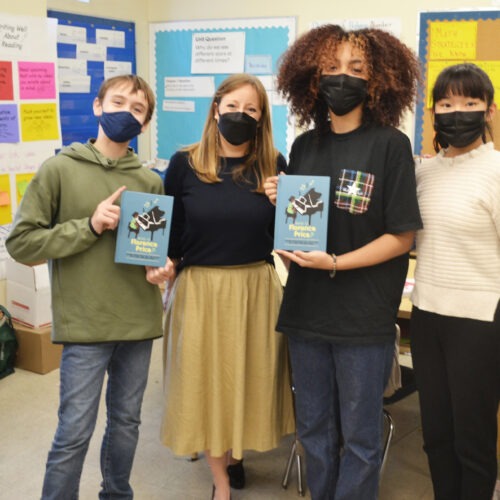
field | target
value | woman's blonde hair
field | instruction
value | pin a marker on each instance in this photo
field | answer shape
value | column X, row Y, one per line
column 204, row 156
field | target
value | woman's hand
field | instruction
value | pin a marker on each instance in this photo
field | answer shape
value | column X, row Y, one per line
column 158, row 275
column 271, row 188
column 313, row 260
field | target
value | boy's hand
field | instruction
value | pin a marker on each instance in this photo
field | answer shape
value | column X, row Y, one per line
column 107, row 214
column 158, row 275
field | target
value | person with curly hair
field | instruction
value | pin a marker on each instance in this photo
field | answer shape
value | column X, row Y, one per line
column 339, row 307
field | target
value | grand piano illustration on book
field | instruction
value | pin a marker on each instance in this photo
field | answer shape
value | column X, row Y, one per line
column 303, row 203
column 144, row 229
column 307, row 204
column 149, row 221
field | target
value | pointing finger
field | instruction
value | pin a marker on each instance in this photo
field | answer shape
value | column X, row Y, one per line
column 111, row 199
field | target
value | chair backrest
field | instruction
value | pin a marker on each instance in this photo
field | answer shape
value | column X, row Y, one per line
column 394, row 382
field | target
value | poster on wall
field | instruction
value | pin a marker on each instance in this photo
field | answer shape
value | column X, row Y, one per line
column 447, row 38
column 30, row 130
column 190, row 59
column 89, row 50
column 390, row 24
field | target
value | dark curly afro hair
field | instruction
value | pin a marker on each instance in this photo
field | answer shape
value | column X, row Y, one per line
column 393, row 69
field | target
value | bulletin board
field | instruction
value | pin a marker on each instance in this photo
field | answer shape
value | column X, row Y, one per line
column 447, row 38
column 30, row 129
column 89, row 50
column 190, row 59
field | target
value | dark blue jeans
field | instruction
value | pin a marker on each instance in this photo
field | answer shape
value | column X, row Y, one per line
column 83, row 368
column 338, row 399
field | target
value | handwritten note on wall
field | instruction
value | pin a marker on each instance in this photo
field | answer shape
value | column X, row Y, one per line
column 450, row 42
column 22, row 181
column 5, row 197
column 6, row 88
column 37, row 80
column 39, row 122
column 453, row 40
column 9, row 125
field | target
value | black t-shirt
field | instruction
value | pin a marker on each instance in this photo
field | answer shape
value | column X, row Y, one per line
column 372, row 193
column 220, row 224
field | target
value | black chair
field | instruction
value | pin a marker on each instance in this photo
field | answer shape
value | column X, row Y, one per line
column 295, row 457
column 408, row 386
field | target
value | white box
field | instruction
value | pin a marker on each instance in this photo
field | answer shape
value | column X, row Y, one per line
column 28, row 294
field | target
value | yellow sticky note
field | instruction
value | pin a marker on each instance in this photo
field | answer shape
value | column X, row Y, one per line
column 39, row 122
column 4, row 198
column 452, row 40
column 5, row 208
column 22, row 186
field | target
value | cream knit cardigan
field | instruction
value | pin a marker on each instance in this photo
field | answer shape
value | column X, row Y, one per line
column 458, row 249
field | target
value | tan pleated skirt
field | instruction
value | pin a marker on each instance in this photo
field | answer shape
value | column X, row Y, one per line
column 227, row 380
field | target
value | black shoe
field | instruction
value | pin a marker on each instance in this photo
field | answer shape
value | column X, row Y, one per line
column 236, row 475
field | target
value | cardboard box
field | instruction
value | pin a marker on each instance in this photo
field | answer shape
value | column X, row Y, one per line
column 28, row 294
column 36, row 351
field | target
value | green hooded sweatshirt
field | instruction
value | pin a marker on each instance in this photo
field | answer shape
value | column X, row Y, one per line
column 93, row 299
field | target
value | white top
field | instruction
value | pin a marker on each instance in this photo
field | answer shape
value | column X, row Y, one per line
column 458, row 250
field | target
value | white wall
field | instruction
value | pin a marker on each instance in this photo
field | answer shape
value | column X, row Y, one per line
column 308, row 11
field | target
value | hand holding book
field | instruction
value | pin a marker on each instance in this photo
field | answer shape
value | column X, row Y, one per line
column 302, row 203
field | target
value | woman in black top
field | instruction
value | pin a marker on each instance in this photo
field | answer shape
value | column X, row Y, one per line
column 226, row 377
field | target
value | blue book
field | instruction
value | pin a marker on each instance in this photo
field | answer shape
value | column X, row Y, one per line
column 302, row 212
column 144, row 229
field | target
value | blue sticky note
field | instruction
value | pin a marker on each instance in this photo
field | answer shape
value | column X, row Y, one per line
column 9, row 123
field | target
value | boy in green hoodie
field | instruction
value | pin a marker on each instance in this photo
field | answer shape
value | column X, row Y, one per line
column 105, row 314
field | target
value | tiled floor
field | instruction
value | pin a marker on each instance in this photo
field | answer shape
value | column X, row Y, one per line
column 28, row 407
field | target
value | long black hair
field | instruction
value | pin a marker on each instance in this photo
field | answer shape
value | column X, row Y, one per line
column 465, row 79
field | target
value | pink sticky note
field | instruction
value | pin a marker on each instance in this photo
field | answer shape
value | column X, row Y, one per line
column 37, row 80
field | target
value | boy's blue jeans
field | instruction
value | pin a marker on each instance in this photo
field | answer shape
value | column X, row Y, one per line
column 339, row 401
column 83, row 369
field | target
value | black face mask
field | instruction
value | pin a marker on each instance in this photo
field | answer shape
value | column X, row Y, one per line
column 237, row 128
column 459, row 128
column 342, row 93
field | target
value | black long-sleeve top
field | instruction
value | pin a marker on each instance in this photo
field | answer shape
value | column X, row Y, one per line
column 219, row 224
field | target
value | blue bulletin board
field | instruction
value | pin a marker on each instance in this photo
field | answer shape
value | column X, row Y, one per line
column 190, row 60
column 453, row 37
column 89, row 49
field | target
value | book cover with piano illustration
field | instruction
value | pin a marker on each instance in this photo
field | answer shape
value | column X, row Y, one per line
column 144, row 229
column 302, row 206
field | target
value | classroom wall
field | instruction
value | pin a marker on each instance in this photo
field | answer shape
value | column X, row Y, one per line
column 146, row 11
column 123, row 10
column 406, row 11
